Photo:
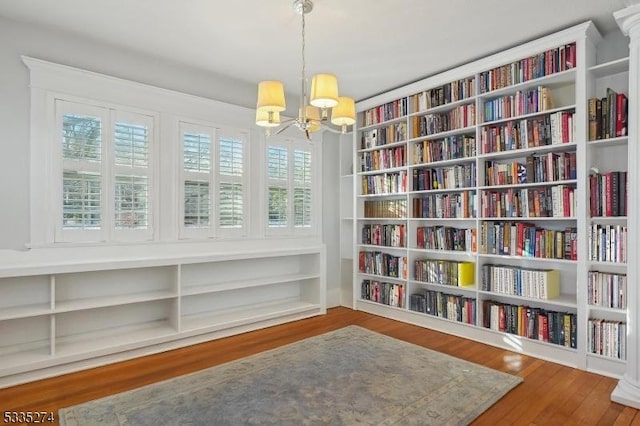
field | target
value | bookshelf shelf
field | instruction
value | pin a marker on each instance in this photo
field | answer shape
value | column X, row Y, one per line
column 381, row 219
column 602, row 143
column 566, row 301
column 443, row 163
column 615, row 66
column 468, row 289
column 381, row 277
column 561, row 78
column 196, row 289
column 102, row 302
column 243, row 316
column 530, row 185
column 445, row 107
column 524, row 152
column 604, row 309
column 532, row 219
column 384, row 123
column 25, row 311
column 469, row 130
column 470, row 220
column 125, row 336
column 383, row 171
column 383, row 146
column 385, row 195
column 535, row 259
column 526, row 116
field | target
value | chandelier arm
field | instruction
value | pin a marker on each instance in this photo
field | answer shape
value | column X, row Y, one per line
column 283, row 128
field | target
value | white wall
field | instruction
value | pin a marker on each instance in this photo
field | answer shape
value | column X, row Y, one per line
column 331, row 211
column 19, row 39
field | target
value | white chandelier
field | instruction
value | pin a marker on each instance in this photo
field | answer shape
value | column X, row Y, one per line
column 322, row 97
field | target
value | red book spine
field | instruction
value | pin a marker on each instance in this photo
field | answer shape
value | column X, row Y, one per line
column 619, row 113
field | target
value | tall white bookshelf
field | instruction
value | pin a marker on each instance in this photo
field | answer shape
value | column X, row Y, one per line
column 489, row 165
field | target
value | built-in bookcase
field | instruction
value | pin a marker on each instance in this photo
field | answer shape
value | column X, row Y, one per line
column 59, row 315
column 474, row 203
column 606, row 154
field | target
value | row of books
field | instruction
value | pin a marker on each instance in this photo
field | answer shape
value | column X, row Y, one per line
column 553, row 201
column 451, row 177
column 533, row 283
column 607, row 338
column 382, row 264
column 445, row 206
column 446, row 238
column 559, row 328
column 608, row 116
column 445, row 272
column 607, row 243
column 382, row 136
column 523, row 102
column 458, row 118
column 608, row 194
column 445, row 94
column 528, row 240
column 383, row 159
column 607, row 290
column 549, row 129
column 385, row 183
column 390, row 294
column 389, row 111
column 390, row 235
column 545, row 63
column 389, row 209
column 449, row 148
column 443, row 305
column 541, row 168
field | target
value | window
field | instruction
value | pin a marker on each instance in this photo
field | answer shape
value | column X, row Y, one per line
column 105, row 174
column 289, row 187
column 213, row 186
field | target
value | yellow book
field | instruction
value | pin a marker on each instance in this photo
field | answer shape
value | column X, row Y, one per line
column 549, row 284
column 466, row 273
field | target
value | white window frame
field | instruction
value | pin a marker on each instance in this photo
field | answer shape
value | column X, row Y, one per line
column 214, row 230
column 292, row 144
column 108, row 114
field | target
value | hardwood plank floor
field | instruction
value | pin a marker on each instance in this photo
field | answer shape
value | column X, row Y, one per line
column 550, row 394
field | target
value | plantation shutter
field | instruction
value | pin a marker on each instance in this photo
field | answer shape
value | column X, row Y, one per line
column 196, row 162
column 132, row 177
column 302, row 188
column 277, row 176
column 231, row 188
column 82, row 171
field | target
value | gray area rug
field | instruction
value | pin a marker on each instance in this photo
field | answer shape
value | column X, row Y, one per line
column 345, row 377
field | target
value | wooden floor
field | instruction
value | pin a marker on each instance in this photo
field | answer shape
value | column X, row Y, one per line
column 550, row 393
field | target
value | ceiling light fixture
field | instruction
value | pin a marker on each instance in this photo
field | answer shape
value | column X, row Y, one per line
column 323, row 96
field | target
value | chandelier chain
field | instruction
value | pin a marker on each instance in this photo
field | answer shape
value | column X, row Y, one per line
column 303, row 96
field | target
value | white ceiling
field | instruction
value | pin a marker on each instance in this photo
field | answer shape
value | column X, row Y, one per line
column 371, row 45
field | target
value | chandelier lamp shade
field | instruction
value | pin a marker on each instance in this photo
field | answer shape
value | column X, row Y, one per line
column 315, row 104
